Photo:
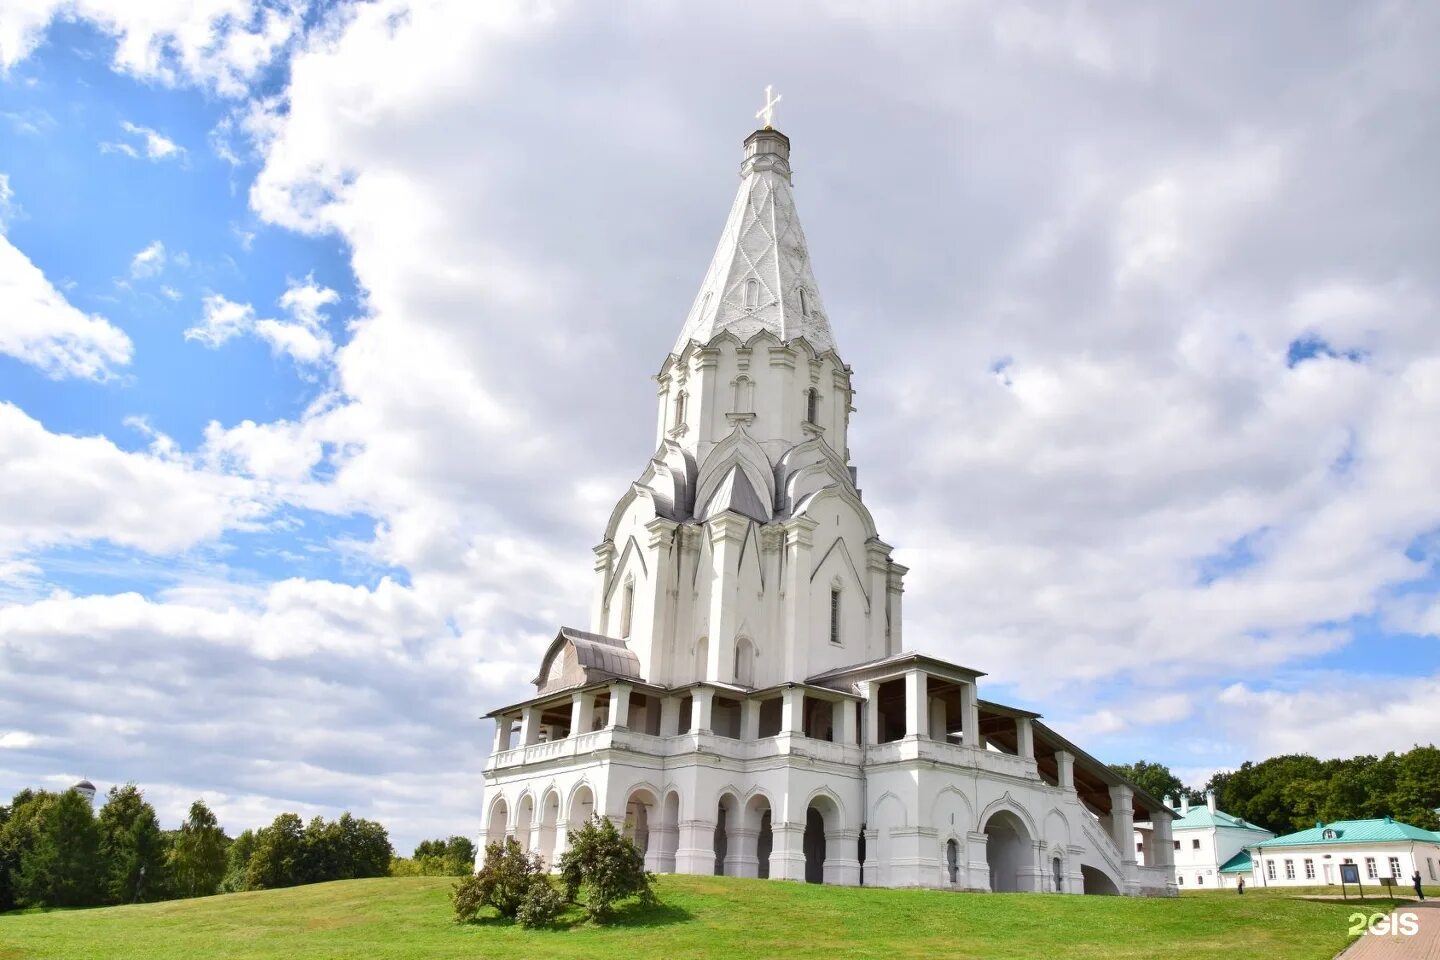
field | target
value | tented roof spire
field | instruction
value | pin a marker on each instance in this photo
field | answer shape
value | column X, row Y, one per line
column 759, row 278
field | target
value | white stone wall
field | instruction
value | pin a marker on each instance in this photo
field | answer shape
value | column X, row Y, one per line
column 1334, row 854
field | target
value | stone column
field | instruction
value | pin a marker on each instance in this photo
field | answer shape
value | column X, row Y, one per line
column 1162, row 841
column 798, row 542
column 1025, row 737
column 970, row 720
column 792, row 712
column 662, row 592
column 787, row 853
column 702, row 700
column 740, row 860
column 604, row 557
column 872, row 713
column 727, row 531
column 842, row 853
column 529, row 726
column 893, row 595
column 917, row 717
column 669, row 716
column 1122, row 817
column 1065, row 769
column 937, row 719
column 619, row 706
column 502, row 734
column 844, row 721
column 912, row 857
column 582, row 712
column 1032, row 877
column 749, row 719
column 978, row 860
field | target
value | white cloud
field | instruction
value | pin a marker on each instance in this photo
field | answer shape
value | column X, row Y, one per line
column 1332, row 716
column 303, row 338
column 156, row 146
column 41, row 327
column 170, row 293
column 57, row 489
column 148, row 262
column 222, row 45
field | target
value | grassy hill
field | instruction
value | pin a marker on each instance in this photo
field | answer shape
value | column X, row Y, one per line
column 700, row 917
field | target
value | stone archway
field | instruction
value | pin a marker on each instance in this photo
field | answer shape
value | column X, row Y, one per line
column 1009, row 849
column 524, row 820
column 726, row 820
column 758, row 819
column 582, row 808
column 549, row 821
column 1097, row 883
column 814, row 846
column 642, row 825
column 499, row 823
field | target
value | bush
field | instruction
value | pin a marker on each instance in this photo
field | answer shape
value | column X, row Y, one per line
column 609, row 867
column 508, row 877
column 542, row 904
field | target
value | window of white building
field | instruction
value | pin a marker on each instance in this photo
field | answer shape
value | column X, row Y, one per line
column 835, row 615
column 1370, row 870
column 1395, row 868
column 1199, row 879
column 1309, row 869
column 1289, row 869
column 627, row 609
column 1270, row 869
column 1194, row 844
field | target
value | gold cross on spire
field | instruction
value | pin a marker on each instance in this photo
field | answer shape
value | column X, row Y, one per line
column 766, row 113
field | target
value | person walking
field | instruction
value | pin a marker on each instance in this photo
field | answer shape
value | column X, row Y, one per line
column 1240, row 887
column 1418, row 891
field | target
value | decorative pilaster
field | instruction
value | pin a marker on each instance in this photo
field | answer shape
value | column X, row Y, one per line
column 787, row 855
column 604, row 559
column 800, row 533
column 727, row 532
column 979, row 864
column 842, row 863
column 740, row 860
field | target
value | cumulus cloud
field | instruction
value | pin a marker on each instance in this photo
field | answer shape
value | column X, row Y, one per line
column 148, row 262
column 150, row 143
column 303, row 337
column 222, row 45
column 43, row 329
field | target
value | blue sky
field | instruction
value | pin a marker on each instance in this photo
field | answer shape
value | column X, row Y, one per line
column 326, row 336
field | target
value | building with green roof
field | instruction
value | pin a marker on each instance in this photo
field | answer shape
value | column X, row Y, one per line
column 1383, row 849
column 1207, row 842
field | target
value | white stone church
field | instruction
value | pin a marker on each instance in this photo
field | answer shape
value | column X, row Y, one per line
column 742, row 701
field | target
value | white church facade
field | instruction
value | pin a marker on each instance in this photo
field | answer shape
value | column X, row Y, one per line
column 742, row 701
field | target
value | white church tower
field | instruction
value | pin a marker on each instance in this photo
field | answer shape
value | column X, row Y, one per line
column 741, row 701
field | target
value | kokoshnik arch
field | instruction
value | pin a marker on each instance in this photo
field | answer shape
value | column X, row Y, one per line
column 742, row 702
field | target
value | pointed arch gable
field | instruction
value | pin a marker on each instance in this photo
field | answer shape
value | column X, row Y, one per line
column 740, row 449
column 838, row 546
column 632, row 548
column 1011, row 805
column 953, row 794
column 750, row 550
column 895, row 803
column 844, row 494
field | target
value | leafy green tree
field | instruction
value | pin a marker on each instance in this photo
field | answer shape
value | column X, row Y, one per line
column 1157, row 780
column 503, row 883
column 277, row 859
column 132, row 850
column 62, row 868
column 454, row 857
column 607, row 865
column 197, row 855
column 237, row 862
column 459, row 856
column 1415, row 793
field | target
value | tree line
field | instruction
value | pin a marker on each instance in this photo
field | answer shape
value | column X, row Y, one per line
column 57, row 851
column 1291, row 792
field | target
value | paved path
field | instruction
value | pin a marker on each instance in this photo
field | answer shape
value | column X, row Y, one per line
column 1424, row 945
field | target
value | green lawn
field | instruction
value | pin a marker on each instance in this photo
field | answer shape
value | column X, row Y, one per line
column 700, row 917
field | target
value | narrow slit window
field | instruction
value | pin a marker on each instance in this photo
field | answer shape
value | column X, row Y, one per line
column 835, row 615
column 627, row 610
column 680, row 408
column 812, row 405
column 752, row 293
column 804, row 303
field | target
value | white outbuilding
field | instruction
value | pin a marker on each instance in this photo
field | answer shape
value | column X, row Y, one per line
column 742, row 700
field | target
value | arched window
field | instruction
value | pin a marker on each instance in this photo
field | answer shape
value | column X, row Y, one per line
column 744, row 391
column 744, row 662
column 627, row 609
column 752, row 293
column 680, row 409
column 835, row 615
column 812, row 405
